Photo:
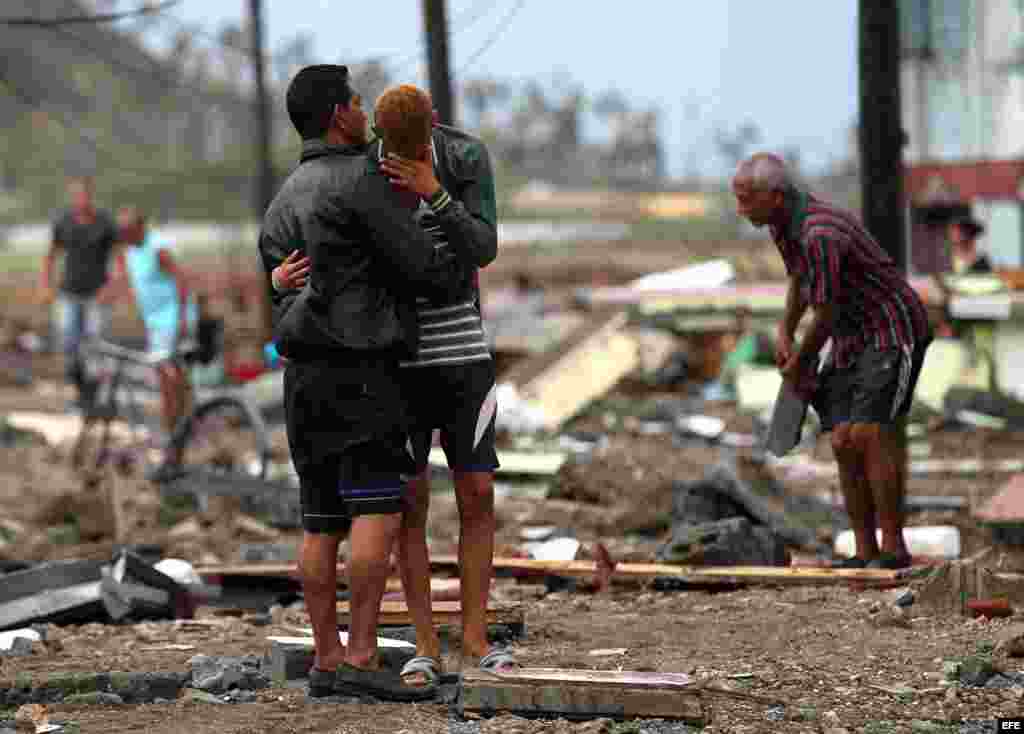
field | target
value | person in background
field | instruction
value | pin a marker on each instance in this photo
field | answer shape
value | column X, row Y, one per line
column 164, row 303
column 963, row 239
column 85, row 236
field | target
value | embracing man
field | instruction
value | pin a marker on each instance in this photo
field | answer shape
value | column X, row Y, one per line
column 344, row 334
column 879, row 331
column 449, row 383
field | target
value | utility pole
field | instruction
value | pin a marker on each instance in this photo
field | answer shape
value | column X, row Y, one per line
column 435, row 23
column 265, row 182
column 881, row 144
column 881, row 127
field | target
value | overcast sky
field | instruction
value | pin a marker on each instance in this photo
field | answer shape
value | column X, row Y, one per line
column 789, row 66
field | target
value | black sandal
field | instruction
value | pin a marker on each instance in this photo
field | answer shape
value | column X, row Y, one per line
column 385, row 684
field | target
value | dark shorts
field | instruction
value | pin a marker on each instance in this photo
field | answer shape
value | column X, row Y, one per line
column 347, row 432
column 877, row 388
column 460, row 401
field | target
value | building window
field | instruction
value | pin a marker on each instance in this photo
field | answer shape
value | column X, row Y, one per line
column 935, row 29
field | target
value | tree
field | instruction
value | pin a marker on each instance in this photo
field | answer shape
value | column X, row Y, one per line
column 734, row 145
column 611, row 105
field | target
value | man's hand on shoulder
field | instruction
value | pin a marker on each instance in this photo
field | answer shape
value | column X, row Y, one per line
column 416, row 176
column 292, row 273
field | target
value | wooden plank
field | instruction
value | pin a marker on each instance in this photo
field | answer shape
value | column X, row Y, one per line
column 584, row 367
column 623, row 571
column 727, row 575
column 445, row 613
column 589, row 694
column 632, row 678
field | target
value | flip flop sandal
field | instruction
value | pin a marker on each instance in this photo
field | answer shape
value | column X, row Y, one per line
column 429, row 667
column 383, row 684
column 497, row 659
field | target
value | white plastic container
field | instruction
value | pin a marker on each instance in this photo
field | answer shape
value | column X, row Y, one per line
column 934, row 541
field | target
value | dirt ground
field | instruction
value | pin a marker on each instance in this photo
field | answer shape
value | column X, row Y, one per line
column 820, row 651
column 816, row 651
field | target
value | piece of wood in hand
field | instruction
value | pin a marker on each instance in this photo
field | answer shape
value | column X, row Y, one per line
column 787, row 420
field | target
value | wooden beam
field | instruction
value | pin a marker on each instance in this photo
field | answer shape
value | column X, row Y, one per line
column 584, row 367
column 726, row 575
column 582, row 693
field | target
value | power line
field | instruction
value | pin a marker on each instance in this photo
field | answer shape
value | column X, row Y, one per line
column 493, row 38
column 90, row 19
column 482, row 8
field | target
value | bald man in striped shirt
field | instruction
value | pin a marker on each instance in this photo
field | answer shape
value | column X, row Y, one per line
column 879, row 333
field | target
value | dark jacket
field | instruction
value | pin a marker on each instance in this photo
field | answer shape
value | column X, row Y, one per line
column 471, row 223
column 368, row 260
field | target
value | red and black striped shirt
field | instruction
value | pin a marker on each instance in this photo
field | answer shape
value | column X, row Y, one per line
column 838, row 262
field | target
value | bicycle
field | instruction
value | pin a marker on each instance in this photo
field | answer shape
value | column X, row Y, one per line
column 185, row 453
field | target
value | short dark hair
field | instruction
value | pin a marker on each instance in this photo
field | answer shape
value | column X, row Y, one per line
column 311, row 97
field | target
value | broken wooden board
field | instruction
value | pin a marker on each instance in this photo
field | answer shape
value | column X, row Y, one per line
column 290, row 571
column 582, row 693
column 444, row 613
column 583, row 368
column 726, row 575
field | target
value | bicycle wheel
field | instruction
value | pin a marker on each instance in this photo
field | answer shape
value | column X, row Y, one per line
column 220, row 449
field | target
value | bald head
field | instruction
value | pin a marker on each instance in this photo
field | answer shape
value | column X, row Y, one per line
column 762, row 185
column 765, row 172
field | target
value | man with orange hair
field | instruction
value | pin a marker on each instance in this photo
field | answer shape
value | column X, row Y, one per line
column 344, row 335
column 450, row 382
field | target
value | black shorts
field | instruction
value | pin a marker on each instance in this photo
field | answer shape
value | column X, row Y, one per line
column 348, row 436
column 877, row 388
column 460, row 401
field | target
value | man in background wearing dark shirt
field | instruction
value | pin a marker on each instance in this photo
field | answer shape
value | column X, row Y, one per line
column 85, row 236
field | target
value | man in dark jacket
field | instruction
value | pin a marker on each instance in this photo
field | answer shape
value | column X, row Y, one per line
column 344, row 334
column 450, row 381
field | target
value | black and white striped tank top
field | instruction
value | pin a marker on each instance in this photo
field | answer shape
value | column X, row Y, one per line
column 451, row 334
